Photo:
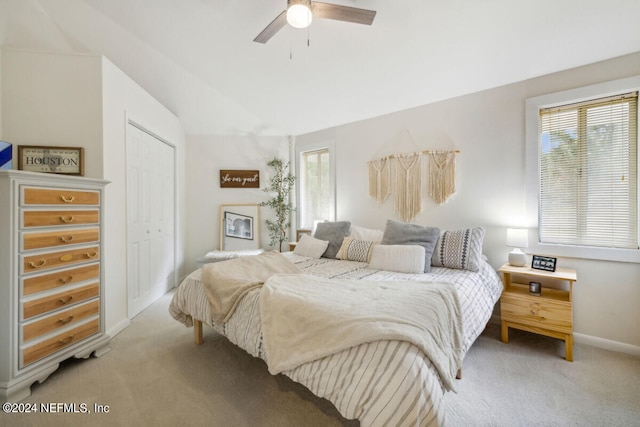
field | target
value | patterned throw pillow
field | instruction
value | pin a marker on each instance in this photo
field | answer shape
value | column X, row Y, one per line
column 356, row 250
column 461, row 249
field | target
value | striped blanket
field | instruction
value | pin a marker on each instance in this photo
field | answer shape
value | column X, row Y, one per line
column 381, row 383
column 305, row 318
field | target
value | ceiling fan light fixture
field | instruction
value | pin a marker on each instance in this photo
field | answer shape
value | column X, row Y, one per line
column 299, row 13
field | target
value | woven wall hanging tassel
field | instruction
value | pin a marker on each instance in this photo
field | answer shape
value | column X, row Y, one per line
column 442, row 175
column 380, row 179
column 408, row 197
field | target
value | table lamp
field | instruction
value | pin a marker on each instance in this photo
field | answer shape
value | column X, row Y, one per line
column 517, row 238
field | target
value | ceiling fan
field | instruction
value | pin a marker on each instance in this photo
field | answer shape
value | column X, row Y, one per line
column 300, row 13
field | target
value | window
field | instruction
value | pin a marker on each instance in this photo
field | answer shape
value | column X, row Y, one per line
column 316, row 193
column 587, row 175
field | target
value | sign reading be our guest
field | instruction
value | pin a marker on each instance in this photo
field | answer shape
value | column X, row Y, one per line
column 239, row 178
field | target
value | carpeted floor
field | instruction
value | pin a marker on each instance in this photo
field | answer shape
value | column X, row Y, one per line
column 155, row 376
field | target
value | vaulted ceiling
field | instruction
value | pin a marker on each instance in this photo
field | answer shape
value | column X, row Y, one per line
column 198, row 58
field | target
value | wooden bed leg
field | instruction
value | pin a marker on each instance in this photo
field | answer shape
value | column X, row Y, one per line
column 197, row 332
column 459, row 374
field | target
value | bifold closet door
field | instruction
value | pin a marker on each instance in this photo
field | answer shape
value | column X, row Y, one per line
column 150, row 218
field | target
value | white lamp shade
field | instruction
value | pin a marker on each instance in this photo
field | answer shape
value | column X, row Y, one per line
column 517, row 237
column 299, row 14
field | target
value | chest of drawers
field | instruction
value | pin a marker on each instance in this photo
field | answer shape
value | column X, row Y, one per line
column 52, row 286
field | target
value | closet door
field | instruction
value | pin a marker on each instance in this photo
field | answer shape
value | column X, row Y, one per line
column 150, row 218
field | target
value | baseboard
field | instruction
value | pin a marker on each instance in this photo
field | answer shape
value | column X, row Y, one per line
column 602, row 343
column 605, row 344
column 121, row 326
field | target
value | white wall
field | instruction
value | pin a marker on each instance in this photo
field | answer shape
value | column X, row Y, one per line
column 123, row 99
column 84, row 101
column 67, row 113
column 205, row 156
column 489, row 130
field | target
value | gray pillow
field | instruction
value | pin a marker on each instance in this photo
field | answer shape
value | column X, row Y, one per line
column 402, row 233
column 334, row 233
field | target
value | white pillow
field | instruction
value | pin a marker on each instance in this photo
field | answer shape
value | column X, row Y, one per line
column 370, row 234
column 310, row 246
column 400, row 258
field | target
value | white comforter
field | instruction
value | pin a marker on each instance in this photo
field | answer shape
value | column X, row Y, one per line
column 378, row 383
column 305, row 318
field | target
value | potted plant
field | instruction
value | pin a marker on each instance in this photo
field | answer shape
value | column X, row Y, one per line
column 280, row 184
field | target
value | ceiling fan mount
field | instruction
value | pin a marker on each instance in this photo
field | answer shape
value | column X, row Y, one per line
column 300, row 14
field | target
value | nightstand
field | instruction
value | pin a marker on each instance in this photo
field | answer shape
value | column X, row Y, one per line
column 549, row 314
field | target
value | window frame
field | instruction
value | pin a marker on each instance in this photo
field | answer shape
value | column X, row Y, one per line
column 532, row 116
column 309, row 146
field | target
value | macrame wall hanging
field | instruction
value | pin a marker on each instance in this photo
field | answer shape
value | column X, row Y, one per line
column 442, row 175
column 407, row 183
column 408, row 198
column 380, row 179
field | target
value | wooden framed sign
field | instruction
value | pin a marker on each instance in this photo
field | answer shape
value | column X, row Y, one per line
column 60, row 160
column 239, row 178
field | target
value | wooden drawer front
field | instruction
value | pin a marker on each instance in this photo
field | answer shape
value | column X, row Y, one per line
column 542, row 313
column 41, row 196
column 65, row 339
column 58, row 259
column 62, row 299
column 60, row 238
column 62, row 278
column 60, row 320
column 47, row 218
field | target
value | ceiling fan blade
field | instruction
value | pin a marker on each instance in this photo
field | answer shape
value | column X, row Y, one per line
column 343, row 13
column 271, row 29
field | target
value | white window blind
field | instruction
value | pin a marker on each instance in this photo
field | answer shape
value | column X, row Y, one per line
column 315, row 203
column 588, row 165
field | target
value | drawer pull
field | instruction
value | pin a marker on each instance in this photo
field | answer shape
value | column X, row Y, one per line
column 92, row 255
column 65, row 321
column 66, row 280
column 535, row 308
column 67, row 340
column 42, row 263
column 66, row 257
column 64, row 301
column 67, row 200
column 66, row 239
column 68, row 219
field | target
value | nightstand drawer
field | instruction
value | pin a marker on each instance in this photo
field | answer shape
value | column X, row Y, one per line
column 535, row 311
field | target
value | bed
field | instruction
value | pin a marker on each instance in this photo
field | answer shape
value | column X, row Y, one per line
column 379, row 382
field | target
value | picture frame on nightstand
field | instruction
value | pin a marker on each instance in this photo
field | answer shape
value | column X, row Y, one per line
column 543, row 263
